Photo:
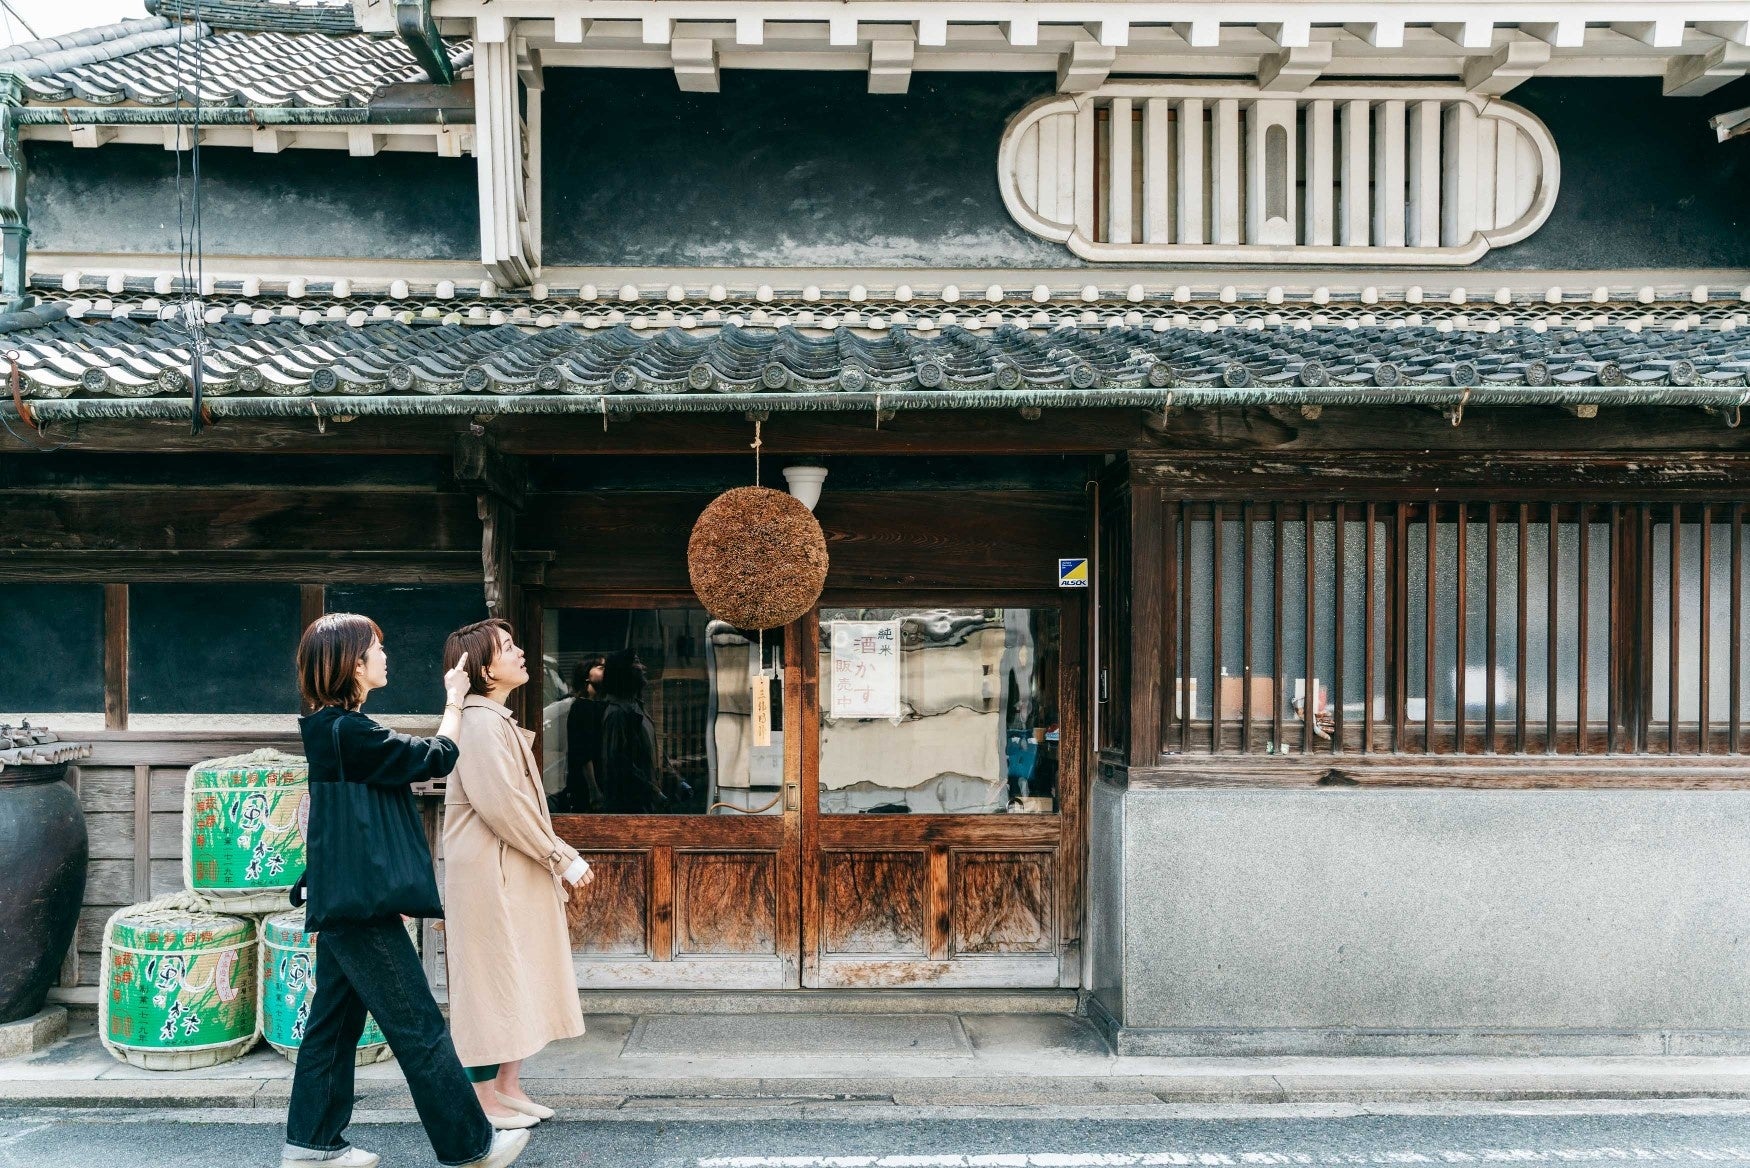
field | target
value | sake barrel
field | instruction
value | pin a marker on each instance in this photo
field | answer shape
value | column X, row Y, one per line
column 179, row 985
column 243, row 827
column 288, row 986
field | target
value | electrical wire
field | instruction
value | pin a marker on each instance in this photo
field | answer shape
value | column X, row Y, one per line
column 190, row 250
column 12, row 14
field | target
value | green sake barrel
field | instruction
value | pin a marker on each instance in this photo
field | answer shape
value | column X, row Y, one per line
column 288, row 986
column 244, row 822
column 179, row 985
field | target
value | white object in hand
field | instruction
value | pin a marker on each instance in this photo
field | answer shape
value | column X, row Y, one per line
column 578, row 873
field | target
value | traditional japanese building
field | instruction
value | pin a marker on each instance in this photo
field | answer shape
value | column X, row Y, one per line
column 1295, row 446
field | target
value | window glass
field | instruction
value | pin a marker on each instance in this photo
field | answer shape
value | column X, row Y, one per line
column 415, row 619
column 58, row 629
column 938, row 711
column 650, row 712
column 199, row 649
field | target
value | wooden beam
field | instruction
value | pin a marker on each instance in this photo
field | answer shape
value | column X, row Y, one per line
column 695, row 64
column 142, row 831
column 266, row 141
column 1085, row 66
column 1506, row 475
column 1562, row 34
column 1514, row 62
column 1292, row 70
column 1381, row 34
column 217, row 565
column 1202, row 33
column 1469, row 34
column 1290, row 34
column 1662, row 33
column 1735, row 31
column 363, row 143
column 1154, row 607
column 890, row 62
column 90, row 137
column 115, row 656
column 1706, row 72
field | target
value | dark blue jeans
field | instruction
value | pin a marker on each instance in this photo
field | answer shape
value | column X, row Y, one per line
column 373, row 968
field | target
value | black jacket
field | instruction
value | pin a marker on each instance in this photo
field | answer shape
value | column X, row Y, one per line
column 376, row 756
column 630, row 777
column 583, row 758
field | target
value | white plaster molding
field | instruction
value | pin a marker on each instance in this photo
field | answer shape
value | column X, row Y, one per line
column 1422, row 174
column 509, row 249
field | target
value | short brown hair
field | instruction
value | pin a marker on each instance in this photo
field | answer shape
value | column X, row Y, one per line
column 480, row 641
column 328, row 657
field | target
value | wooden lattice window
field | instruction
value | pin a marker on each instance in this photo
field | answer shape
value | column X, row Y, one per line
column 1227, row 172
column 1455, row 628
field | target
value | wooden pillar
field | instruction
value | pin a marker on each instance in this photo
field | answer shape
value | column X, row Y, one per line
column 1153, row 600
column 115, row 656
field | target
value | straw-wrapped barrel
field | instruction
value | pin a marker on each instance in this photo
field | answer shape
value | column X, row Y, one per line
column 288, row 986
column 179, row 985
column 243, row 826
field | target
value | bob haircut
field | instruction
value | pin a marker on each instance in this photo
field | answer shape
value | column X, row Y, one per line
column 480, row 641
column 580, row 673
column 328, row 656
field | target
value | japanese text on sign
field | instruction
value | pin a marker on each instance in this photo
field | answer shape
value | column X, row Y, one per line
column 865, row 669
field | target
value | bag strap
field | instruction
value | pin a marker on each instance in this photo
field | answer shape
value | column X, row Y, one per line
column 339, row 765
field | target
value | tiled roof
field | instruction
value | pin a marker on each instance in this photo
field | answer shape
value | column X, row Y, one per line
column 262, row 15
column 153, row 61
column 477, row 303
column 60, row 358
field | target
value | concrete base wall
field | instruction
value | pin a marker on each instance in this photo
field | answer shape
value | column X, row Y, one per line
column 1430, row 921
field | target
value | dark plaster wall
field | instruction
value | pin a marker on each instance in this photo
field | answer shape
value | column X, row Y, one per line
column 782, row 169
column 301, row 202
column 808, row 169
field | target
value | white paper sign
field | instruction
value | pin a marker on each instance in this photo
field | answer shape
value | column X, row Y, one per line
column 865, row 669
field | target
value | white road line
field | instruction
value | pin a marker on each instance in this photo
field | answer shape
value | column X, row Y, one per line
column 1199, row 1159
column 12, row 1137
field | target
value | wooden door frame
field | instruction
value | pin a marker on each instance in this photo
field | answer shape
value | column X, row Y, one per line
column 1073, row 770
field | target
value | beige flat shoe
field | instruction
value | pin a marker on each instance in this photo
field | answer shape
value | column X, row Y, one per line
column 525, row 1106
column 512, row 1122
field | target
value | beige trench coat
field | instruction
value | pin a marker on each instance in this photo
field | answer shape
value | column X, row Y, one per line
column 512, row 987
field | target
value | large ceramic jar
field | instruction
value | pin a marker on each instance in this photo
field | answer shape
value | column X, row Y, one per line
column 43, row 848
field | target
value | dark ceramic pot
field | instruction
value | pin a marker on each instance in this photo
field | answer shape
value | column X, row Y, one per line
column 43, row 848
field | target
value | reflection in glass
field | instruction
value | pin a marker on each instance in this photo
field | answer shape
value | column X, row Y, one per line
column 962, row 719
column 649, row 712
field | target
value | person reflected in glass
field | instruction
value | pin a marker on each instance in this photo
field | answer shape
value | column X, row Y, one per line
column 631, row 769
column 512, row 986
column 582, row 794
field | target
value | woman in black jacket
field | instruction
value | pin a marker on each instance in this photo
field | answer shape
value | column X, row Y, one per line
column 631, row 772
column 368, row 865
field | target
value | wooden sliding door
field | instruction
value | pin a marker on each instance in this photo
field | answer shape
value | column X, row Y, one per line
column 941, row 793
column 695, row 886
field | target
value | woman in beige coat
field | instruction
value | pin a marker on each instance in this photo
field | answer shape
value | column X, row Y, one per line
column 512, row 985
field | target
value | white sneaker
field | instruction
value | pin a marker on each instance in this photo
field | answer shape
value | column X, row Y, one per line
column 506, row 1147
column 349, row 1158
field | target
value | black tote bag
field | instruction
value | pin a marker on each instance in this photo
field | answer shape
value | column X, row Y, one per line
column 374, row 862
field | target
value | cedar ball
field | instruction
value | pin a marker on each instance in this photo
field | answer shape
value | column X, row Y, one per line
column 757, row 558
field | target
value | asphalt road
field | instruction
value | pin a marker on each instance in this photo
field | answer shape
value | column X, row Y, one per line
column 728, row 1136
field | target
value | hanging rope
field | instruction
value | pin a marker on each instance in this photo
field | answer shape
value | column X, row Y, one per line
column 25, row 414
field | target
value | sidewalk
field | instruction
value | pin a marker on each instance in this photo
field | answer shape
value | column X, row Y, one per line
column 973, row 1060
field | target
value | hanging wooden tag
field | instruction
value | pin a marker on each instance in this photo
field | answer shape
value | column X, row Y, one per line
column 761, row 689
